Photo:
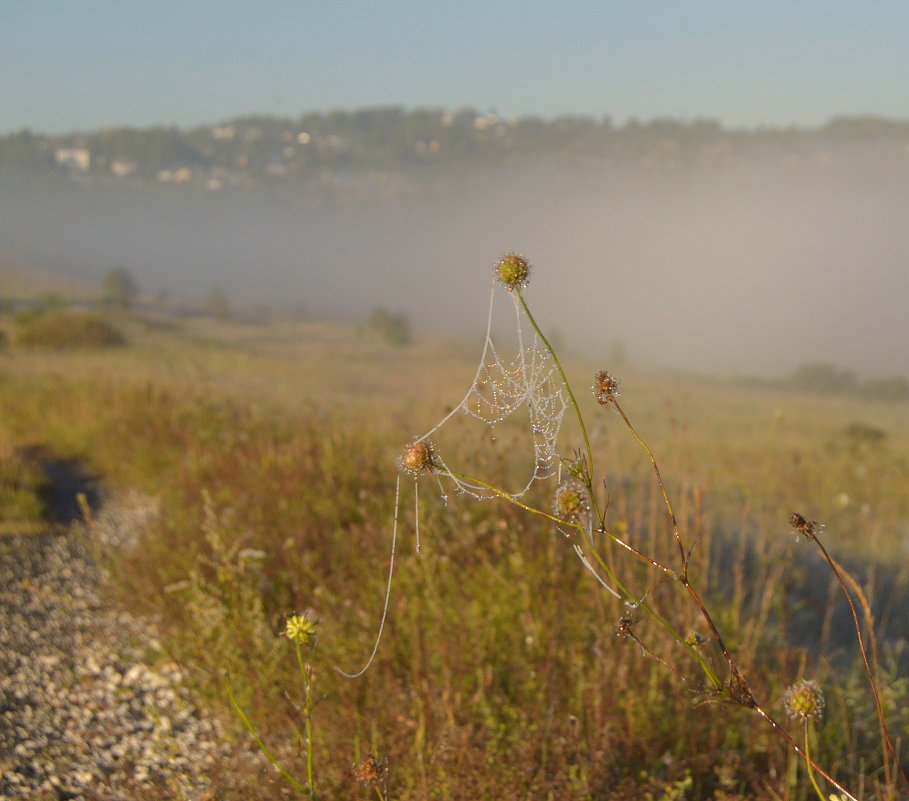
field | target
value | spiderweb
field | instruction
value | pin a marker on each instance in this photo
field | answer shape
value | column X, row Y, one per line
column 527, row 383
column 501, row 389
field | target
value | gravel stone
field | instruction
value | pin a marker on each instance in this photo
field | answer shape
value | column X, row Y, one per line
column 83, row 714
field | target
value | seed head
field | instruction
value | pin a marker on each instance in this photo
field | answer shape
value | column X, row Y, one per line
column 623, row 627
column 513, row 271
column 370, row 771
column 605, row 387
column 416, row 458
column 571, row 502
column 810, row 528
column 300, row 629
column 804, row 701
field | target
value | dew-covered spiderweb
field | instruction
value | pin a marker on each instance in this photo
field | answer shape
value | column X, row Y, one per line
column 525, row 387
column 528, row 384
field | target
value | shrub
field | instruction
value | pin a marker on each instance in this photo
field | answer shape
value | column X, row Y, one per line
column 119, row 289
column 66, row 331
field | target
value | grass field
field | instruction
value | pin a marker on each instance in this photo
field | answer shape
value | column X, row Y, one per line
column 272, row 449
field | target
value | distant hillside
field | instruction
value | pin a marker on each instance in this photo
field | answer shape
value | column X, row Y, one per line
column 386, row 149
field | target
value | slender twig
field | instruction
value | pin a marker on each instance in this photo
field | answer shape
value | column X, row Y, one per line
column 656, row 469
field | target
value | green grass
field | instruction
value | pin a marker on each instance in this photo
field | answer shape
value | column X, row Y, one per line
column 500, row 675
column 23, row 490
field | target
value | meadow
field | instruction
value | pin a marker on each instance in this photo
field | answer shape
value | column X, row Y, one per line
column 272, row 449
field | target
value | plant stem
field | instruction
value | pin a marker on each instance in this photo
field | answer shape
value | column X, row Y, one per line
column 306, row 673
column 841, row 575
column 808, row 761
column 623, row 591
column 262, row 747
column 574, row 402
column 646, row 447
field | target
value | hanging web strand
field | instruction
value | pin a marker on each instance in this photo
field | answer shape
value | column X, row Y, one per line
column 586, row 562
column 391, row 567
column 500, row 389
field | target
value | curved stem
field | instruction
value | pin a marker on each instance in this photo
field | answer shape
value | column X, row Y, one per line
column 841, row 574
column 571, row 397
column 623, row 591
column 808, row 762
column 646, row 447
column 262, row 747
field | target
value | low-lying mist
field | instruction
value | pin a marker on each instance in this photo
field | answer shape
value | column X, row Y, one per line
column 747, row 270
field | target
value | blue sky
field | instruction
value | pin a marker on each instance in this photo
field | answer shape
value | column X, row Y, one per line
column 79, row 65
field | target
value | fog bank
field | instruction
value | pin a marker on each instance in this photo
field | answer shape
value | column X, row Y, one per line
column 750, row 269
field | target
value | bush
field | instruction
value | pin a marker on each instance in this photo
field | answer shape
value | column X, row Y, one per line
column 392, row 329
column 119, row 289
column 66, row 331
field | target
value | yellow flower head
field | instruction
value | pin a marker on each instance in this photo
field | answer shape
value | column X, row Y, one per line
column 300, row 629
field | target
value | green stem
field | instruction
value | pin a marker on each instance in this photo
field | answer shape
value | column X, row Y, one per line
column 602, row 523
column 646, row 447
column 574, row 402
column 262, row 747
column 808, row 762
column 622, row 590
column 307, row 712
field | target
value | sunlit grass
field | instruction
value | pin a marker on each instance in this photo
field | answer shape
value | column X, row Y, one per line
column 273, row 451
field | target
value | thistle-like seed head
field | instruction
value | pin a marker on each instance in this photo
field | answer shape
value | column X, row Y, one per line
column 571, row 502
column 513, row 271
column 605, row 387
column 416, row 458
column 804, row 701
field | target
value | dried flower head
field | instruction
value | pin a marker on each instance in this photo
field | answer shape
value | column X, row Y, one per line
column 810, row 528
column 623, row 627
column 513, row 271
column 370, row 771
column 571, row 502
column 300, row 629
column 804, row 701
column 416, row 458
column 605, row 387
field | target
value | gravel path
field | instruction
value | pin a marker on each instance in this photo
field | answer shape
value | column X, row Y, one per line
column 83, row 714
